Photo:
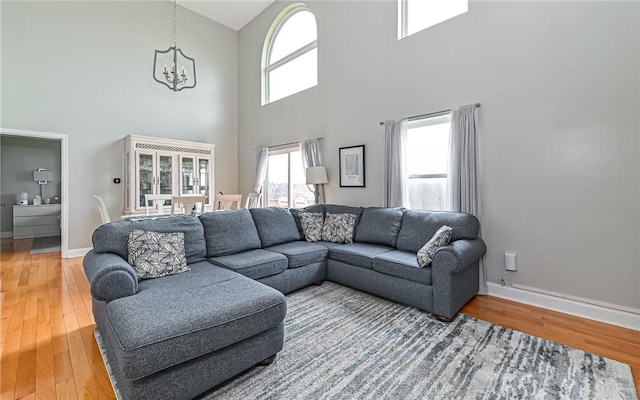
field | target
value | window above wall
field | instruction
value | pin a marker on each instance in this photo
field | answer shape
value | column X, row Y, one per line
column 417, row 15
column 290, row 54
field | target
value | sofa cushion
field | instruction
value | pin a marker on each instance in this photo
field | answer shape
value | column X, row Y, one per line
column 357, row 254
column 312, row 224
column 379, row 225
column 402, row 264
column 418, row 226
column 229, row 232
column 339, row 228
column 301, row 253
column 441, row 238
column 177, row 318
column 275, row 225
column 113, row 237
column 254, row 264
column 154, row 255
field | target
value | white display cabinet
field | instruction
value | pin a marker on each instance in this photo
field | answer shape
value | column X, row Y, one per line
column 166, row 166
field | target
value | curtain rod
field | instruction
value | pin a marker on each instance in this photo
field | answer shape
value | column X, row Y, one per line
column 286, row 144
column 433, row 114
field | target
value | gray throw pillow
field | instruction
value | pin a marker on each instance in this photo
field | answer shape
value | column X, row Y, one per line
column 339, row 228
column 312, row 224
column 441, row 238
column 153, row 254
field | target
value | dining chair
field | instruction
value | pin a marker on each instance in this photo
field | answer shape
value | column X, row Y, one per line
column 253, row 200
column 102, row 207
column 187, row 203
column 228, row 201
column 157, row 201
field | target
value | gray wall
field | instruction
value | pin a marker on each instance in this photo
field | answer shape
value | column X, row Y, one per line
column 19, row 157
column 559, row 122
column 84, row 69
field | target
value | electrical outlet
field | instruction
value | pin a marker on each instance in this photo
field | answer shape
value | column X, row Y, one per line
column 511, row 261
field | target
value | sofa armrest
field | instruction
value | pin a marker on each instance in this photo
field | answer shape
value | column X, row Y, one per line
column 455, row 275
column 110, row 276
column 457, row 255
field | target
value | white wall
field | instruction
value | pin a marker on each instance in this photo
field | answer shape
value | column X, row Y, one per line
column 19, row 157
column 85, row 69
column 559, row 123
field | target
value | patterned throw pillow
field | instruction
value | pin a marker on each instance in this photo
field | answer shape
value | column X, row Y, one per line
column 339, row 228
column 312, row 226
column 154, row 254
column 441, row 238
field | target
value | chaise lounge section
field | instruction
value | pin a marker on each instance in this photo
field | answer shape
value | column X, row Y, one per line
column 177, row 336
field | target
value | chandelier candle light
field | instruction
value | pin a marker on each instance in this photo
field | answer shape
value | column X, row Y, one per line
column 173, row 79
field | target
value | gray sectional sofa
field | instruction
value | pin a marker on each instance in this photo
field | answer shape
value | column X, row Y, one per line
column 180, row 335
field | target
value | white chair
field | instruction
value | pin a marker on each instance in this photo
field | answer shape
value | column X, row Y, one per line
column 187, row 203
column 253, row 200
column 227, row 201
column 157, row 200
column 104, row 213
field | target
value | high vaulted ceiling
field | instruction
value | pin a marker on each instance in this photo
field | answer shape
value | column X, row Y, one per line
column 234, row 14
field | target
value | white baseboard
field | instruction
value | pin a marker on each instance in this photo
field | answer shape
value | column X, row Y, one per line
column 72, row 253
column 626, row 319
column 7, row 234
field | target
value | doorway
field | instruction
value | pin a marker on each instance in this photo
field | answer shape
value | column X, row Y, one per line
column 63, row 191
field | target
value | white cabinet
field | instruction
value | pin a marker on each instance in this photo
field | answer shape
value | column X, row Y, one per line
column 166, row 166
column 36, row 221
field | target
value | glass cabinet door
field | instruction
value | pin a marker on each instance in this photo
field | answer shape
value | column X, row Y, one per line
column 146, row 179
column 204, row 178
column 165, row 175
column 187, row 175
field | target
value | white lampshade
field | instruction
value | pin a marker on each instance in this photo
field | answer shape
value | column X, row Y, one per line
column 316, row 175
column 42, row 176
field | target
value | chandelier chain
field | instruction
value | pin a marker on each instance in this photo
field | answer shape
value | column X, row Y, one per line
column 174, row 24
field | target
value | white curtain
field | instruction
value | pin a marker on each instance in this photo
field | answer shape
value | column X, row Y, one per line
column 262, row 161
column 312, row 157
column 463, row 191
column 395, row 164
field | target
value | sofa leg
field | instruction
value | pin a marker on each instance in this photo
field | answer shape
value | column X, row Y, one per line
column 318, row 283
column 444, row 319
column 267, row 361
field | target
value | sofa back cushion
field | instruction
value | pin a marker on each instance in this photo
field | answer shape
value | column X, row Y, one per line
column 275, row 225
column 229, row 232
column 419, row 226
column 379, row 225
column 113, row 237
column 340, row 209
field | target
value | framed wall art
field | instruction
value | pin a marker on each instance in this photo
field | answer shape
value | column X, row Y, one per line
column 351, row 166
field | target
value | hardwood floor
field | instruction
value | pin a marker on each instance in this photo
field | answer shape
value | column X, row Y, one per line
column 49, row 352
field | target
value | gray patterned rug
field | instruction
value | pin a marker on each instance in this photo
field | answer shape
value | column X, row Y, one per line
column 344, row 344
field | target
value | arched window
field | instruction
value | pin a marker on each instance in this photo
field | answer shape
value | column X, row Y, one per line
column 290, row 54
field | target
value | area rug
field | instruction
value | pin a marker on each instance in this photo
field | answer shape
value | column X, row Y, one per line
column 344, row 344
column 43, row 245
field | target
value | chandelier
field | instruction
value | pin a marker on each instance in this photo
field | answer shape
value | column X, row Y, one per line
column 173, row 77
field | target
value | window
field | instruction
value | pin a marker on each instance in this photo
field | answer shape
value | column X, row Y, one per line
column 290, row 54
column 285, row 183
column 427, row 162
column 416, row 15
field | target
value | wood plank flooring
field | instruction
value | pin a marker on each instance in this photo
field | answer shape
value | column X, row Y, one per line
column 49, row 352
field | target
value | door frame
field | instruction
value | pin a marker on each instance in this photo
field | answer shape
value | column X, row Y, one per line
column 64, row 177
